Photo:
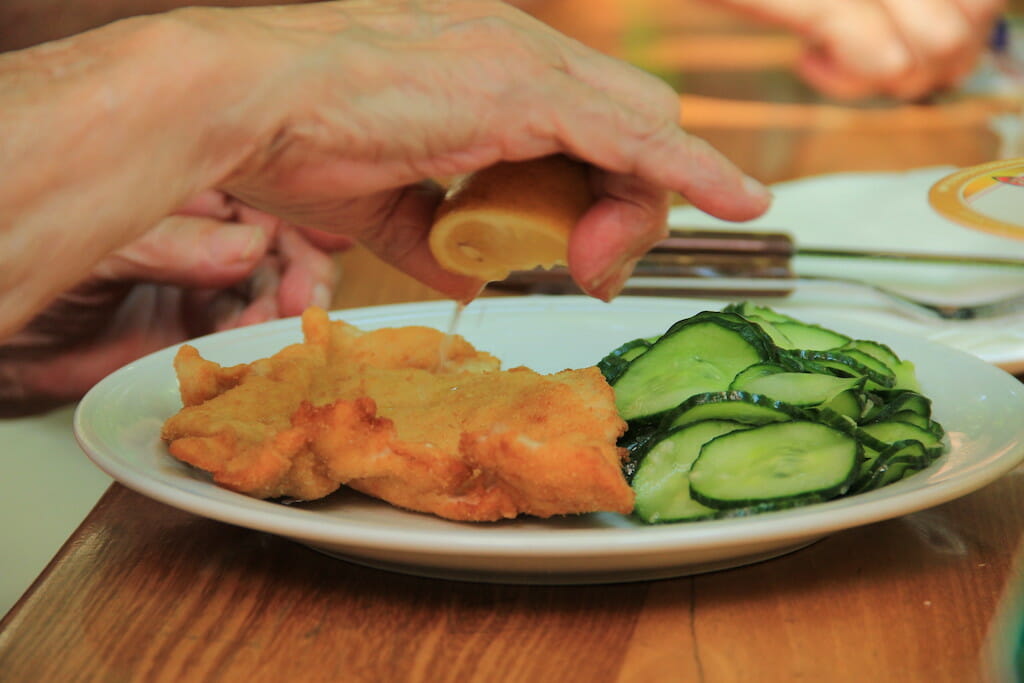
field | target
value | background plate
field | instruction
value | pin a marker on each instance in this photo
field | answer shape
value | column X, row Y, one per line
column 890, row 211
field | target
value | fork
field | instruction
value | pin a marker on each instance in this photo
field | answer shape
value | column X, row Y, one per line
column 980, row 310
column 741, row 268
column 696, row 252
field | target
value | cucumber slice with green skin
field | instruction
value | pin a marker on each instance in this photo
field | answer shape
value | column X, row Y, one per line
column 903, row 371
column 756, row 370
column 751, row 310
column 662, row 479
column 697, row 355
column 797, row 388
column 777, row 336
column 892, row 432
column 850, row 403
column 638, row 347
column 781, row 463
column 738, row 406
column 615, row 363
column 846, row 365
column 868, row 361
column 891, row 402
column 790, row 333
column 900, row 459
column 919, row 420
column 858, row 391
column 634, row 441
column 811, row 337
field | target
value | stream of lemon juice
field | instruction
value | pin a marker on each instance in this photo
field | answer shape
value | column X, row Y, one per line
column 445, row 348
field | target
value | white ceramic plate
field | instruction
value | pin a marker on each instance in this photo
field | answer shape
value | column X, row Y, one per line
column 118, row 425
column 890, row 211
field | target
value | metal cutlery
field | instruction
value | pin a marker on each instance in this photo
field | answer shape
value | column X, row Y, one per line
column 710, row 263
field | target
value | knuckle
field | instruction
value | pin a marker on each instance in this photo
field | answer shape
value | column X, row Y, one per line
column 944, row 39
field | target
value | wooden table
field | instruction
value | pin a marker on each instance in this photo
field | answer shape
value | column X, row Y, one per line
column 146, row 592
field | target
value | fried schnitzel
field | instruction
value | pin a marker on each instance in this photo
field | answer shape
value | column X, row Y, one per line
column 374, row 412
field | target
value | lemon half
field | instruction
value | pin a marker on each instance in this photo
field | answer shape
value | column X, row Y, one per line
column 510, row 216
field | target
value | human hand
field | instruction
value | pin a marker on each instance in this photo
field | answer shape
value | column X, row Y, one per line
column 219, row 266
column 333, row 116
column 901, row 48
column 367, row 99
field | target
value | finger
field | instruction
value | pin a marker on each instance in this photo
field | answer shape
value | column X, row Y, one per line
column 938, row 36
column 325, row 241
column 189, row 252
column 625, row 82
column 981, row 13
column 308, row 276
column 400, row 238
column 650, row 104
column 224, row 207
column 628, row 218
column 263, row 288
column 981, row 16
column 821, row 72
column 657, row 151
column 858, row 37
column 209, row 204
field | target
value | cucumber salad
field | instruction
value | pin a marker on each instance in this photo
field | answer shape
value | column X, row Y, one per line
column 747, row 410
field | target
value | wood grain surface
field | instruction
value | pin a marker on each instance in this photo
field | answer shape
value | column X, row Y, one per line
column 145, row 592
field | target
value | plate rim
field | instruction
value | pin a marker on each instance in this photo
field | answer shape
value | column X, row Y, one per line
column 820, row 519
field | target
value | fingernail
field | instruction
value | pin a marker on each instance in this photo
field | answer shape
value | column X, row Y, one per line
column 232, row 243
column 322, row 296
column 608, row 286
column 753, row 186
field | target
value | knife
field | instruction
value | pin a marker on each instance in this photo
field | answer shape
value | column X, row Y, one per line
column 699, row 262
column 684, row 241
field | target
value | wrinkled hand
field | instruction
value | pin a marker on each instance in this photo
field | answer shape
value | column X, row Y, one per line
column 901, row 48
column 218, row 266
column 372, row 97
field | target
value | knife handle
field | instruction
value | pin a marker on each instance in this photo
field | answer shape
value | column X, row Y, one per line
column 691, row 241
column 719, row 253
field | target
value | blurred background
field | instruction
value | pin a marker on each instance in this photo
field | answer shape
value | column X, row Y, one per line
column 741, row 92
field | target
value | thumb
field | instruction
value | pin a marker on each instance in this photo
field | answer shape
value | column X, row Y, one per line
column 189, row 251
column 401, row 239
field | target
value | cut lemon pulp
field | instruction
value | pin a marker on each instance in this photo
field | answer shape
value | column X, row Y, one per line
column 510, row 216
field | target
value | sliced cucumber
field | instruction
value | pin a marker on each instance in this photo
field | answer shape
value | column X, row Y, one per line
column 754, row 371
column 890, row 403
column 847, row 365
column 893, row 431
column 813, row 337
column 797, row 388
column 697, row 355
column 918, row 420
column 781, row 412
column 662, row 479
column 751, row 310
column 850, row 403
column 615, row 363
column 738, row 406
column 781, row 463
column 791, row 333
column 902, row 371
column 894, row 463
